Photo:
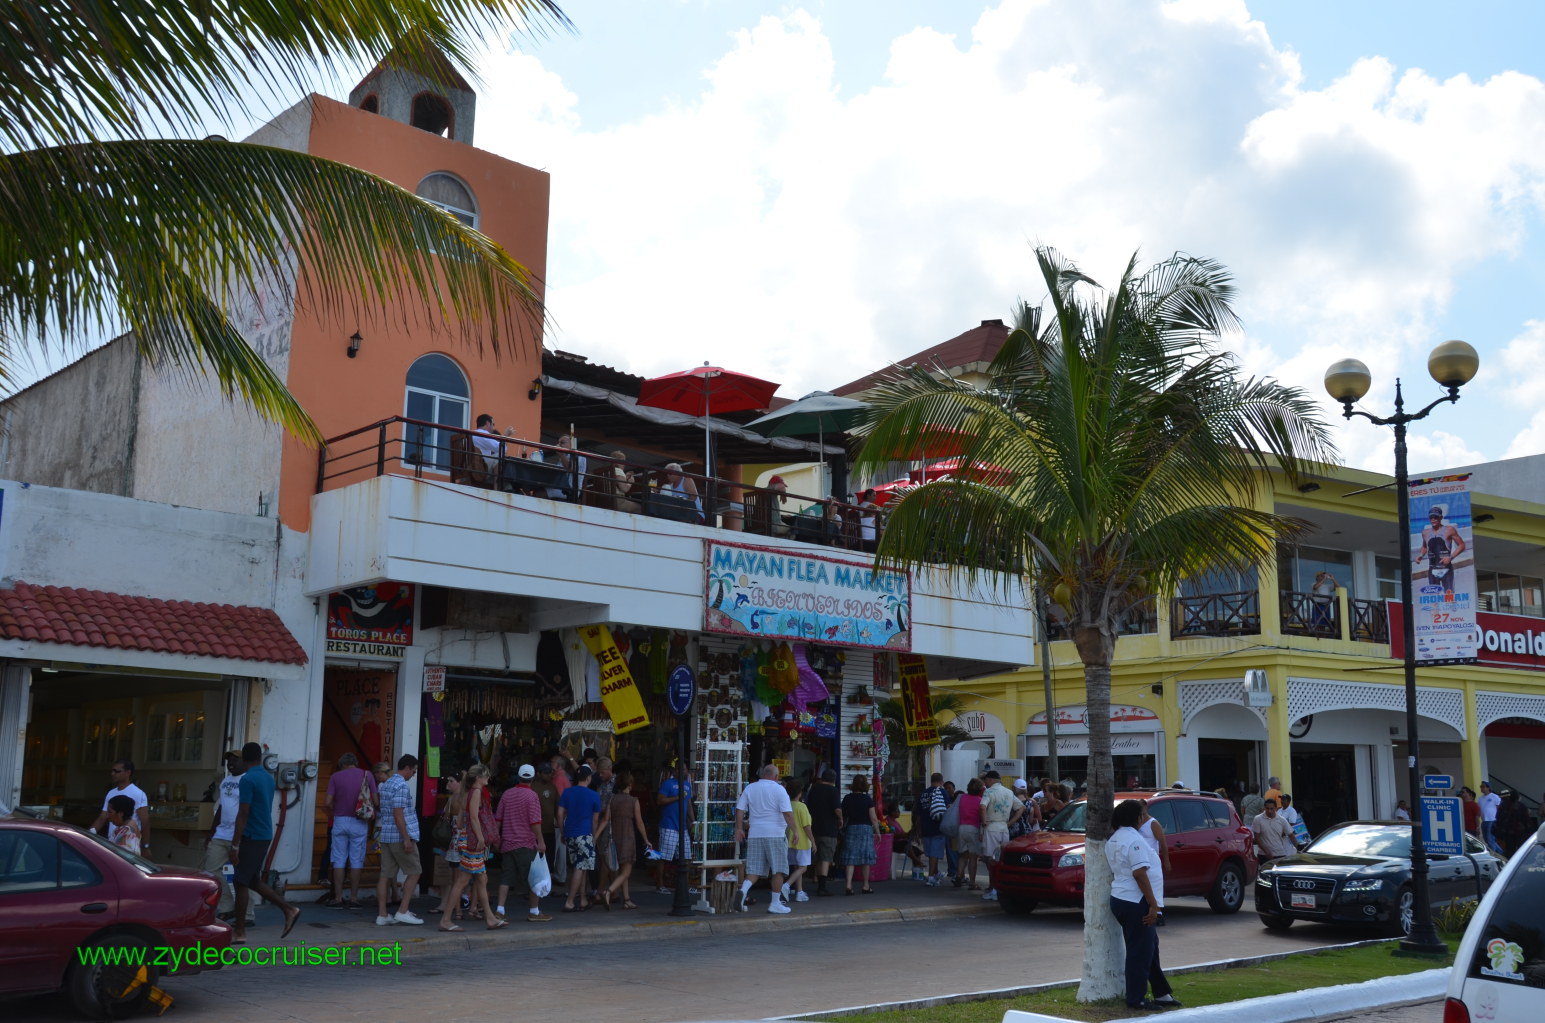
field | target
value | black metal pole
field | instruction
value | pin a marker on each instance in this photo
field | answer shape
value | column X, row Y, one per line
column 1424, row 936
column 681, row 905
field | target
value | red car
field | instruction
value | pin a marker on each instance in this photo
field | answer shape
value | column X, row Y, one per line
column 66, row 895
column 1211, row 853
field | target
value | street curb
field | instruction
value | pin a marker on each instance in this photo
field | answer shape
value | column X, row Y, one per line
column 1181, row 1015
column 525, row 935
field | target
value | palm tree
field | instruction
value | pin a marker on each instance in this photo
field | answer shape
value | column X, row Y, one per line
column 1135, row 449
column 105, row 226
column 950, row 734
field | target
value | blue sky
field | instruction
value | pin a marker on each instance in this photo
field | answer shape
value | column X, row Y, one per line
column 808, row 191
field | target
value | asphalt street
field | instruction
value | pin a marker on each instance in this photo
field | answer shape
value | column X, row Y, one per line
column 659, row 972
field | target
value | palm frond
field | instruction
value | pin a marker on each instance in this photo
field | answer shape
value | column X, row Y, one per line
column 144, row 234
column 78, row 72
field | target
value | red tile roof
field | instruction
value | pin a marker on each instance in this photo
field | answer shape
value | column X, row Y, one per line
column 972, row 350
column 62, row 614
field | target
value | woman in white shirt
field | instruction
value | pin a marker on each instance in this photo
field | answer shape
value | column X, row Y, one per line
column 1136, row 908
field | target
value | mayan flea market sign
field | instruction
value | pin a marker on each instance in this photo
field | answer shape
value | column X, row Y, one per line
column 780, row 594
column 371, row 621
column 623, row 701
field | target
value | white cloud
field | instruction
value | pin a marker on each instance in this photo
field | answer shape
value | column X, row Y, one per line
column 785, row 228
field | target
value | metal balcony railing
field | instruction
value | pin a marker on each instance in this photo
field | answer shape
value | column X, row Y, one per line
column 411, row 447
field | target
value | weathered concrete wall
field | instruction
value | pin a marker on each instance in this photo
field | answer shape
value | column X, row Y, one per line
column 76, row 428
column 195, row 446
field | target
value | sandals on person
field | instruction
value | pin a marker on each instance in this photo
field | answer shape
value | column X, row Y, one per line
column 867, row 891
column 289, row 924
column 629, row 904
column 502, row 923
column 453, row 927
column 847, row 891
column 606, row 901
column 330, row 902
column 573, row 909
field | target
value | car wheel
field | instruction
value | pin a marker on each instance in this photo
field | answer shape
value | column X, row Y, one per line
column 1274, row 922
column 96, row 988
column 1228, row 891
column 1404, row 914
column 1016, row 905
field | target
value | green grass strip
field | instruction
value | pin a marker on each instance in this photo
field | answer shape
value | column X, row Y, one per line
column 1211, row 986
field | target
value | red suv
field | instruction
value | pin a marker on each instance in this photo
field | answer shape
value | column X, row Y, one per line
column 1211, row 853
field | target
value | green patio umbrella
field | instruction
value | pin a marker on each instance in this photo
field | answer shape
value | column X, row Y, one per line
column 816, row 414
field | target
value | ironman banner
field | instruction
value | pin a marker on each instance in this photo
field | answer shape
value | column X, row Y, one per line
column 1443, row 570
column 621, row 696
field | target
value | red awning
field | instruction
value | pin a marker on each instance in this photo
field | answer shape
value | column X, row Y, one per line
column 63, row 614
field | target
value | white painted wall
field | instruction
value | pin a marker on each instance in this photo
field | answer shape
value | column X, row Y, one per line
column 590, row 564
column 1517, row 762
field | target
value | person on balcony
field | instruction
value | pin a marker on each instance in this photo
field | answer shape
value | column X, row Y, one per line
column 1323, row 595
column 1441, row 544
column 679, row 486
column 487, row 442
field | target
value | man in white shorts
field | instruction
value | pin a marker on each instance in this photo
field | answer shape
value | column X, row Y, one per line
column 999, row 810
column 763, row 817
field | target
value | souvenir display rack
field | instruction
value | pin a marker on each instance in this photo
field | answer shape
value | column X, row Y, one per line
column 719, row 774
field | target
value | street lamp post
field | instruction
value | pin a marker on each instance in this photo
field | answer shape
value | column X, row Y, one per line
column 1452, row 364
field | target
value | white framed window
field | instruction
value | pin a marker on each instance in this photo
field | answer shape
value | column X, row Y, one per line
column 448, row 193
column 437, row 392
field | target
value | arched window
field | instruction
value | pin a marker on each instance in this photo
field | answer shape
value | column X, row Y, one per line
column 371, row 104
column 430, row 113
column 450, row 195
column 437, row 393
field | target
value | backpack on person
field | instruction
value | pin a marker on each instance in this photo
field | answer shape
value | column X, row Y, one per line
column 364, row 807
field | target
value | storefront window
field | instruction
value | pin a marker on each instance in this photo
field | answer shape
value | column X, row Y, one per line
column 1297, row 567
column 1133, row 773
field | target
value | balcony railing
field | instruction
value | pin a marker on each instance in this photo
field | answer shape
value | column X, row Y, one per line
column 1139, row 619
column 1370, row 620
column 410, row 447
column 1310, row 614
column 1216, row 614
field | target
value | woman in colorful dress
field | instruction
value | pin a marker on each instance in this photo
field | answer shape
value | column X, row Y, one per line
column 472, row 821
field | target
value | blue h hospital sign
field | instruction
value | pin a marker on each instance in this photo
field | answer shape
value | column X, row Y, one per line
column 1443, row 825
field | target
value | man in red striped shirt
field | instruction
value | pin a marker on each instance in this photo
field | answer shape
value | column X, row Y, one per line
column 520, row 842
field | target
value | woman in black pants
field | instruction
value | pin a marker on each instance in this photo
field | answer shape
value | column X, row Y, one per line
column 1135, row 907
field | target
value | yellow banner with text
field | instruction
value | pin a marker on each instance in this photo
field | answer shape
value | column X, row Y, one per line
column 916, row 702
column 623, row 701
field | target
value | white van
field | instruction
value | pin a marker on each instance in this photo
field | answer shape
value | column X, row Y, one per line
column 1499, row 971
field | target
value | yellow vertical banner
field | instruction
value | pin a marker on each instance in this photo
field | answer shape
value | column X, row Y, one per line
column 916, row 702
column 623, row 701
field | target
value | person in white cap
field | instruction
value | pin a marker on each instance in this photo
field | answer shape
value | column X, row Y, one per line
column 1030, row 820
column 520, row 842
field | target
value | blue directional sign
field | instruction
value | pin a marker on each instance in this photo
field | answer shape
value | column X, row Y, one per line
column 680, row 690
column 1437, row 781
column 1443, row 825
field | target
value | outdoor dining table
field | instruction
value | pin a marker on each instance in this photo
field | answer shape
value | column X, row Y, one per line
column 526, row 474
column 677, row 509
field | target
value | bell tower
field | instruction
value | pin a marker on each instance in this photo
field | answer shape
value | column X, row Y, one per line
column 442, row 103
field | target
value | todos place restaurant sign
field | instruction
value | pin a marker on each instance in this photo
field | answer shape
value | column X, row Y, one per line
column 780, row 594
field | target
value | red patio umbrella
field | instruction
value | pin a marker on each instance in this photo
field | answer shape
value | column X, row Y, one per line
column 705, row 389
column 931, row 442
column 977, row 472
column 883, row 492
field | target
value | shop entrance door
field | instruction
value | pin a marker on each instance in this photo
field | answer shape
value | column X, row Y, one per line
column 1228, row 764
column 1324, row 784
column 359, row 716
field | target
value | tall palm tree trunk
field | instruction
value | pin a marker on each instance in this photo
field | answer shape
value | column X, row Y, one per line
column 1104, row 949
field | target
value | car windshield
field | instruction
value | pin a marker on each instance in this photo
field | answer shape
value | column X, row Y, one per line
column 1069, row 818
column 1365, row 840
column 141, row 864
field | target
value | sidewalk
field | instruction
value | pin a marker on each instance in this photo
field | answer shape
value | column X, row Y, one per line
column 892, row 901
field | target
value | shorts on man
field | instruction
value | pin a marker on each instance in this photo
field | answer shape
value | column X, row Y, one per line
column 581, row 852
column 394, row 858
column 670, row 843
column 993, row 840
column 934, row 847
column 767, row 856
column 515, row 869
column 826, row 848
column 249, row 860
column 349, row 837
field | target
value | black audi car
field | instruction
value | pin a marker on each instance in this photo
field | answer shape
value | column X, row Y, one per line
column 1360, row 873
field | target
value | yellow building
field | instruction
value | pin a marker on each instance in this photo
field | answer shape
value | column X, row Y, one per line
column 1236, row 679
